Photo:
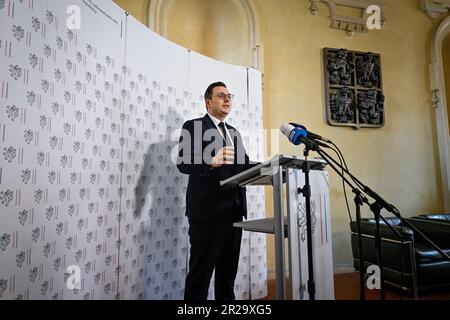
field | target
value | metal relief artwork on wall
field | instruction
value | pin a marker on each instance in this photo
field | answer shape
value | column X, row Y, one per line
column 353, row 89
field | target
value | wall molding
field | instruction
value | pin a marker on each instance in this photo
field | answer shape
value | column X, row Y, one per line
column 435, row 8
column 349, row 24
column 440, row 106
column 159, row 11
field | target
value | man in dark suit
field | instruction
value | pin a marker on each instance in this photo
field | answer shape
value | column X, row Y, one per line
column 211, row 150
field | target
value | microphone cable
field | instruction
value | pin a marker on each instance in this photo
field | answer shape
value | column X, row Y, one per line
column 402, row 241
column 342, row 164
column 358, row 183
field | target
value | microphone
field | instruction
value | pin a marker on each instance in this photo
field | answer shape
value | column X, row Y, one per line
column 298, row 135
column 309, row 134
column 294, row 134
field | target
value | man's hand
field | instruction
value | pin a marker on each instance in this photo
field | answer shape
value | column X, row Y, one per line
column 224, row 156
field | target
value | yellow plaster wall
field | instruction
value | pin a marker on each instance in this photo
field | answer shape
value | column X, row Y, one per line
column 137, row 8
column 400, row 160
column 214, row 28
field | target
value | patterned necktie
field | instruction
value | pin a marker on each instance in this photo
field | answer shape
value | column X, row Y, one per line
column 226, row 141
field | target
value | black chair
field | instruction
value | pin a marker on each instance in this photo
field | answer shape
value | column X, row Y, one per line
column 409, row 262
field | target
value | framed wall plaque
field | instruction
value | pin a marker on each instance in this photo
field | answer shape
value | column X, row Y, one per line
column 353, row 88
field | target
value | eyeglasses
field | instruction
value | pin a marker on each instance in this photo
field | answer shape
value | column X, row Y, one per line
column 222, row 96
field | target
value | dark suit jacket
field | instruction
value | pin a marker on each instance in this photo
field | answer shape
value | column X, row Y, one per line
column 206, row 201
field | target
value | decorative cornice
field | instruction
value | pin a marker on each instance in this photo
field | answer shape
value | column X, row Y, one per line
column 349, row 24
column 435, row 8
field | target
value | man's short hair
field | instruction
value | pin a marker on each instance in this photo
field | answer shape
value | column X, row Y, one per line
column 209, row 90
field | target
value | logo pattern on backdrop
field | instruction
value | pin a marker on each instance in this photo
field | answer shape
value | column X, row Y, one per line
column 86, row 177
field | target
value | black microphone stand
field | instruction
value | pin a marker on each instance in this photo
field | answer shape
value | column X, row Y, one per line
column 359, row 200
column 306, row 191
column 389, row 207
column 358, row 204
column 375, row 207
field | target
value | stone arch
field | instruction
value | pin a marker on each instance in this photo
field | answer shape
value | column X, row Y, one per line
column 439, row 100
column 159, row 10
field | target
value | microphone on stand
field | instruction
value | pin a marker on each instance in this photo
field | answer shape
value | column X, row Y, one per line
column 298, row 134
column 294, row 134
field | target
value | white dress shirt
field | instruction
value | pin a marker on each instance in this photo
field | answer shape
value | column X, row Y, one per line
column 216, row 123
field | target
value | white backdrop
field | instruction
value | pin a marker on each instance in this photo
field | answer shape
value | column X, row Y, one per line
column 87, row 123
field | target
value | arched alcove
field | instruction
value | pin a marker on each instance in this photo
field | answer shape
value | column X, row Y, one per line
column 227, row 30
column 439, row 100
